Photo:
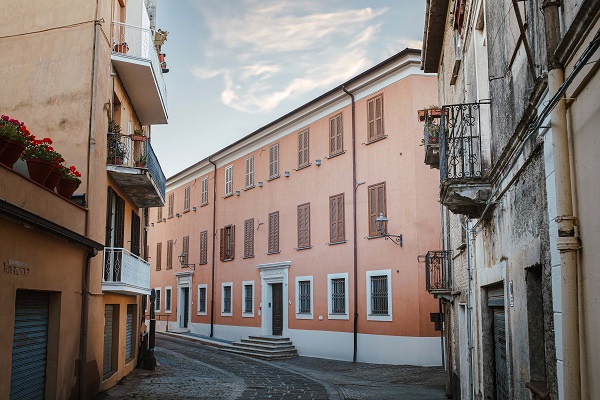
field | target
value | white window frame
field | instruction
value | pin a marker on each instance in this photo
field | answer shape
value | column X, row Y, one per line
column 330, row 277
column 157, row 303
column 205, row 287
column 310, row 314
column 223, row 286
column 204, row 191
column 229, row 180
column 170, row 289
column 244, row 313
column 371, row 317
column 249, row 172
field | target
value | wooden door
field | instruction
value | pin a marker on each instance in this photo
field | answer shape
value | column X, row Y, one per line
column 186, row 306
column 277, row 308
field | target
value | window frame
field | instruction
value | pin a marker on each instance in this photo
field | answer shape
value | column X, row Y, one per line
column 227, row 249
column 245, row 313
column 171, row 200
column 310, row 314
column 168, row 299
column 158, row 256
column 249, row 238
column 230, row 286
column 204, row 190
column 375, row 137
column 373, row 216
column 304, row 148
column 330, row 314
column 274, row 161
column 229, row 180
column 303, row 232
column 338, row 199
column 186, row 199
column 157, row 296
column 169, row 254
column 370, row 315
column 203, row 248
column 249, row 163
column 273, row 238
column 336, row 135
column 205, row 287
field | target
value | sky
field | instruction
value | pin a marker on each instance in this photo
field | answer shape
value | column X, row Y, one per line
column 236, row 65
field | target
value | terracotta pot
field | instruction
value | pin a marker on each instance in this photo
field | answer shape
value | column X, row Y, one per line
column 39, row 170
column 3, row 143
column 139, row 164
column 11, row 153
column 53, row 179
column 121, row 48
column 138, row 138
column 161, row 57
column 66, row 188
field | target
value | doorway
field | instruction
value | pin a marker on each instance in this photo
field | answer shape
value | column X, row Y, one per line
column 184, row 295
column 277, row 308
column 274, row 298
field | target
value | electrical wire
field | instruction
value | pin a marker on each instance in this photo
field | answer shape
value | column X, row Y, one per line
column 52, row 29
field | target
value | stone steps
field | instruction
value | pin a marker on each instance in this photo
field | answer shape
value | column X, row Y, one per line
column 264, row 347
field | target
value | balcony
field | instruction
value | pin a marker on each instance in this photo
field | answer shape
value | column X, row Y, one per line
column 135, row 168
column 136, row 62
column 465, row 187
column 125, row 272
column 438, row 276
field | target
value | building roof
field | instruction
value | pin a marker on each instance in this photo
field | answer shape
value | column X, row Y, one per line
column 433, row 35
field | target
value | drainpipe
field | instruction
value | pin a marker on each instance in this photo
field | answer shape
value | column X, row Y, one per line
column 470, row 310
column 354, row 233
column 212, row 288
column 567, row 242
column 83, row 336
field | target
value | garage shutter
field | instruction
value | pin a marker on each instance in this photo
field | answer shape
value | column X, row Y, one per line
column 496, row 302
column 129, row 333
column 108, row 336
column 28, row 372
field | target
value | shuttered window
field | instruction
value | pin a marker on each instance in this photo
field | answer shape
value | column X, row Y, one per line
column 274, row 232
column 186, row 199
column 129, row 337
column 249, row 238
column 159, row 212
column 336, row 145
column 303, row 156
column 337, row 231
column 377, row 205
column 186, row 249
column 228, row 243
column 169, row 254
column 170, row 207
column 205, row 191
column 375, row 117
column 203, row 247
column 274, row 161
column 249, row 172
column 120, row 223
column 135, row 233
column 158, row 256
column 304, row 226
column 229, row 180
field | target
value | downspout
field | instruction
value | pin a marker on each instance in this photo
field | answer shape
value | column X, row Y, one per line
column 567, row 242
column 470, row 310
column 354, row 233
column 212, row 288
column 85, row 294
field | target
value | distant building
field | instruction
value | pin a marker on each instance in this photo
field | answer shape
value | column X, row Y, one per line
column 74, row 269
column 283, row 236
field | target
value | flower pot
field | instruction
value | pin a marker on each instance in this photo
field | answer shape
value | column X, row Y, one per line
column 114, row 160
column 66, row 188
column 3, row 143
column 121, row 48
column 39, row 170
column 53, row 179
column 161, row 57
column 138, row 138
column 140, row 164
column 11, row 153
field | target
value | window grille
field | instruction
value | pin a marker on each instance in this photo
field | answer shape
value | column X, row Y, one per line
column 227, row 299
column 202, row 299
column 304, row 297
column 247, row 298
column 379, row 295
column 338, row 296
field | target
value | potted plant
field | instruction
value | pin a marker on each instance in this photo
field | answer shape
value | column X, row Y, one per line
column 40, row 157
column 141, row 161
column 138, row 135
column 56, row 174
column 121, row 47
column 69, row 182
column 115, row 148
column 15, row 137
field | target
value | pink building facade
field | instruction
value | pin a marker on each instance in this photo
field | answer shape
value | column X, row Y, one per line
column 279, row 229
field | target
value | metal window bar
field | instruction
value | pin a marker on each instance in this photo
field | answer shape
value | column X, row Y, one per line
column 227, row 299
column 460, row 139
column 379, row 295
column 304, row 297
column 202, row 300
column 120, row 265
column 338, row 296
column 248, row 299
column 438, row 273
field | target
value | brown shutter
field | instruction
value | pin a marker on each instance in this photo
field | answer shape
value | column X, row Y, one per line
column 203, row 246
column 135, row 233
column 377, row 205
column 159, row 214
column 249, row 238
column 158, row 256
column 332, row 136
column 379, row 115
column 371, row 115
column 336, row 218
column 186, row 248
column 109, row 214
column 232, row 249
column 274, row 161
column 274, row 232
column 222, row 244
column 340, row 218
column 304, row 225
column 120, row 222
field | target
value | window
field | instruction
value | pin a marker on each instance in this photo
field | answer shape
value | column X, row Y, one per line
column 274, row 161
column 249, row 172
column 186, row 199
column 274, row 232
column 229, row 181
column 135, row 233
column 304, row 226
column 157, row 299
column 379, row 295
column 228, row 243
column 158, row 256
column 336, row 144
column 304, row 295
column 377, row 205
column 205, row 191
column 337, row 231
column 169, row 254
column 375, row 115
column 303, row 160
column 248, row 304
column 115, row 221
column 202, row 299
column 170, row 210
column 185, row 249
column 249, row 238
column 226, row 305
column 337, row 295
column 203, row 247
column 159, row 218
column 168, row 291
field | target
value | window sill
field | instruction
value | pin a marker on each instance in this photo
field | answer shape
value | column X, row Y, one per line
column 247, row 257
column 201, row 313
column 303, row 166
column 272, row 178
column 186, row 211
column 303, row 248
column 334, row 243
column 338, row 316
column 376, row 237
column 227, row 259
column 167, row 311
column 376, row 140
column 249, row 188
column 226, row 314
column 169, row 217
column 304, row 316
column 203, row 204
column 247, row 315
column 228, row 195
column 203, row 263
column 273, row 252
column 379, row 317
column 335, row 154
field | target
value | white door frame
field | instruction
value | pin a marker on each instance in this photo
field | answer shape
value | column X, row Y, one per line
column 271, row 273
column 184, row 280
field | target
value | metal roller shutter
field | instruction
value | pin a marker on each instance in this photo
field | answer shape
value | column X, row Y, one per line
column 28, row 372
column 108, row 335
column 496, row 302
column 129, row 333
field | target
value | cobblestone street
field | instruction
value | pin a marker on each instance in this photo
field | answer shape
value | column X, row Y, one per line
column 190, row 370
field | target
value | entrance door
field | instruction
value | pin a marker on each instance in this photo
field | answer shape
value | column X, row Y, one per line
column 277, row 308
column 496, row 303
column 185, row 293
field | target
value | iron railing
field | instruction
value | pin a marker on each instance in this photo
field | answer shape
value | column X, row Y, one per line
column 122, row 266
column 155, row 170
column 438, row 277
column 460, row 142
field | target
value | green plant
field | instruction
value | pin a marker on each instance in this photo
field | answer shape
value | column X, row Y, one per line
column 14, row 129
column 141, row 159
column 139, row 132
column 42, row 150
column 114, row 127
column 71, row 174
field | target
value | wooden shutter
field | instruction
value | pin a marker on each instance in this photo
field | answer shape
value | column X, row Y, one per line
column 171, row 199
column 232, row 242
column 120, row 222
column 377, row 204
column 159, row 213
column 250, row 172
column 229, row 180
column 135, row 233
column 249, row 238
column 158, row 256
column 109, row 214
column 203, row 247
column 205, row 191
column 169, row 254
column 222, row 247
column 336, row 218
column 335, row 135
column 375, row 115
column 304, row 225
column 274, row 161
column 186, row 248
column 274, row 232
column 186, row 199
column 303, row 149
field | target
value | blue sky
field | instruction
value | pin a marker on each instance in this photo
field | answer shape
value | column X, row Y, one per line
column 237, row 65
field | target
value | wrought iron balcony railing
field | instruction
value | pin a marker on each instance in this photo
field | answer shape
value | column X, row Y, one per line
column 438, row 276
column 124, row 272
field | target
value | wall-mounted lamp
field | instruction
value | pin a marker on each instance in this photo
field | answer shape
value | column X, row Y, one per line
column 183, row 260
column 286, row 174
column 381, row 225
column 193, row 208
column 237, row 192
column 260, row 184
column 318, row 162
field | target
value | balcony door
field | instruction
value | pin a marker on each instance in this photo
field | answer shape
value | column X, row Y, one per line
column 115, row 236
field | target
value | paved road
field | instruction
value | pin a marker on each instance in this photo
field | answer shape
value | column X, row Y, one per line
column 191, row 370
